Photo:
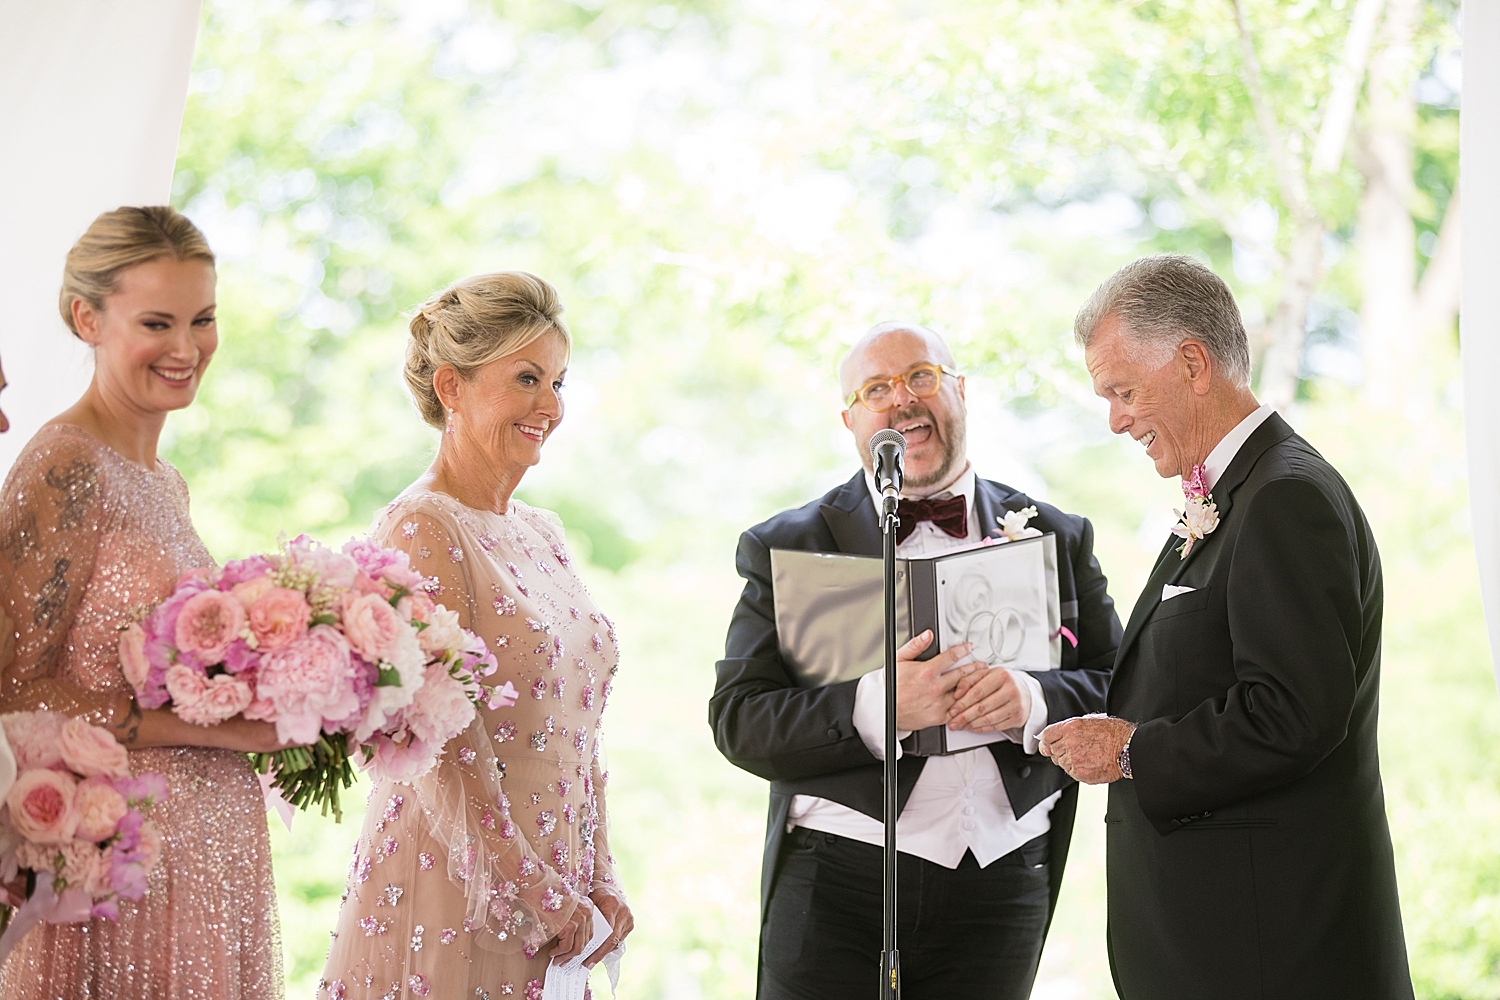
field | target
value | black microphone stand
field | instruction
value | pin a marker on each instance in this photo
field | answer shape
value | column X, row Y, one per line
column 890, row 958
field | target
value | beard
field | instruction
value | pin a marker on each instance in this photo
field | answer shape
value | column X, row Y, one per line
column 950, row 437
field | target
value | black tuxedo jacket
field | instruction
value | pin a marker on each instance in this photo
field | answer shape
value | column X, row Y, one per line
column 803, row 739
column 1250, row 857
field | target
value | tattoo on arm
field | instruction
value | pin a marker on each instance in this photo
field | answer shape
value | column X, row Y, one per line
column 51, row 596
column 79, row 486
column 21, row 540
column 129, row 729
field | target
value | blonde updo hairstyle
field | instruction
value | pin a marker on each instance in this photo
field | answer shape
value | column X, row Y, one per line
column 119, row 240
column 471, row 323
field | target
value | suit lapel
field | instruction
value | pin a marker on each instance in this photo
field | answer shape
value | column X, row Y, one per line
column 851, row 519
column 989, row 502
column 1169, row 566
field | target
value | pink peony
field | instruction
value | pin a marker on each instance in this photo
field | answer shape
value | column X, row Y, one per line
column 208, row 623
column 133, row 659
column 309, row 681
column 90, row 750
column 371, row 625
column 33, row 738
column 100, row 809
column 41, row 806
column 443, row 631
column 334, row 569
column 223, row 697
column 416, row 607
column 279, row 618
column 252, row 590
column 441, row 709
column 391, row 565
column 404, row 761
column 240, row 658
column 237, row 571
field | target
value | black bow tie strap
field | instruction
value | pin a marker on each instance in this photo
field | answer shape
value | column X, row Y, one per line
column 951, row 515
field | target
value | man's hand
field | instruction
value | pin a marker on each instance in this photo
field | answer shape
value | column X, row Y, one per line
column 989, row 700
column 924, row 688
column 1087, row 747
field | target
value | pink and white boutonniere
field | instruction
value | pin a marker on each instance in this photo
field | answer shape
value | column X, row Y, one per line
column 1200, row 516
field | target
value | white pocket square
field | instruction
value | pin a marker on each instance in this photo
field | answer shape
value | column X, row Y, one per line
column 1168, row 591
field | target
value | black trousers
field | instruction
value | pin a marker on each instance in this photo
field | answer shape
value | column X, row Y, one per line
column 968, row 932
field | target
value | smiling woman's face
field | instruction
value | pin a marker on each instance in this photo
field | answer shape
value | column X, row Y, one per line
column 155, row 335
column 934, row 427
column 509, row 408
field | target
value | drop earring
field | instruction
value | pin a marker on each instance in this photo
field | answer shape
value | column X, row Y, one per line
column 449, row 428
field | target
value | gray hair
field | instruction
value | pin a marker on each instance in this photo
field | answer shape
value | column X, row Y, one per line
column 1165, row 299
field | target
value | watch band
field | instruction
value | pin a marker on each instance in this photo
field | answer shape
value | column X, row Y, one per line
column 1124, row 759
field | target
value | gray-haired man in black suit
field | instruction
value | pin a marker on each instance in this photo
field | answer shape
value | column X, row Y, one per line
column 1248, row 850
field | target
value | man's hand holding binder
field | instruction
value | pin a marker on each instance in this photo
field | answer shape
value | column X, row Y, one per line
column 926, row 689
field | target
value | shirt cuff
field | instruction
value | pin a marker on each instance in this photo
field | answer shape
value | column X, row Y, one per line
column 1037, row 720
column 869, row 714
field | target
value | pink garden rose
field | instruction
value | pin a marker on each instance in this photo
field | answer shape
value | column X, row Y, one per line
column 307, row 682
column 371, row 625
column 34, row 738
column 186, row 686
column 148, row 852
column 99, row 881
column 133, row 659
column 91, row 750
column 252, row 590
column 238, row 571
column 99, row 807
column 208, row 623
column 41, row 806
column 213, row 699
column 279, row 618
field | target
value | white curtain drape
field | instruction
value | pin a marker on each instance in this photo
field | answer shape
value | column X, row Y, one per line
column 91, row 100
column 1479, row 322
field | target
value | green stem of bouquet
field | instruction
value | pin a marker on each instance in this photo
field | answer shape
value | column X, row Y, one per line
column 310, row 775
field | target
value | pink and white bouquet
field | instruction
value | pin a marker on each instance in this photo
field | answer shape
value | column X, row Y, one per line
column 74, row 817
column 340, row 649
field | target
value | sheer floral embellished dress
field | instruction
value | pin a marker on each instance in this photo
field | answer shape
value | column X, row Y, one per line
column 86, row 539
column 458, row 880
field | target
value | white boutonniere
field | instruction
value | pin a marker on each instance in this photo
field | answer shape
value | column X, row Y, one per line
column 1013, row 524
column 1199, row 520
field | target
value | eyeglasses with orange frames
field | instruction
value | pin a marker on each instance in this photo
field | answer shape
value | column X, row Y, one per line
column 879, row 394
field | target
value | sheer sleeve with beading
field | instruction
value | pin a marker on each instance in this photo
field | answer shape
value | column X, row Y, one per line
column 52, row 517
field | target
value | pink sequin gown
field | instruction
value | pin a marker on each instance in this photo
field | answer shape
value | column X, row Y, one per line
column 86, row 538
column 457, row 879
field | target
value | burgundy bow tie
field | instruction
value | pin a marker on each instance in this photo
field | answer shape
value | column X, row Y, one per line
column 951, row 515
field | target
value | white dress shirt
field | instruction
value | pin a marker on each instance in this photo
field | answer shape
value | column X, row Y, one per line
column 959, row 802
column 1218, row 460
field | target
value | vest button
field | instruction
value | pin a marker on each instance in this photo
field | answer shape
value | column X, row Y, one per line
column 833, row 733
column 1026, row 771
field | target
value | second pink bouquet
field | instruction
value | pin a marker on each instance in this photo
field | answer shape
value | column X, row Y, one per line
column 342, row 650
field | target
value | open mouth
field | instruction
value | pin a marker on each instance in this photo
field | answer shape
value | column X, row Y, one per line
column 174, row 376
column 1147, row 438
column 917, row 432
column 532, row 432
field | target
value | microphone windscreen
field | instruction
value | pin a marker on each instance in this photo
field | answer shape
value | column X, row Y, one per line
column 887, row 436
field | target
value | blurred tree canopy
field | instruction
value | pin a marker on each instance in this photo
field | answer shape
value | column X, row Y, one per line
column 726, row 193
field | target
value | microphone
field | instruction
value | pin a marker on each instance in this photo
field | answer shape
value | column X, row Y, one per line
column 888, row 449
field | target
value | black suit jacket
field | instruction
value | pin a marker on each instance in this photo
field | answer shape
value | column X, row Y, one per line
column 1250, row 857
column 803, row 739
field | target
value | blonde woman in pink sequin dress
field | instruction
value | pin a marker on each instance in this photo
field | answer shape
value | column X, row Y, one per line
column 467, row 882
column 93, row 528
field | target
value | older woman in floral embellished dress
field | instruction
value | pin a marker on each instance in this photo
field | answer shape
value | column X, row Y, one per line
column 468, row 881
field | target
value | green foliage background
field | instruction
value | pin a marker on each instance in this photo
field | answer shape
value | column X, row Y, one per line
column 726, row 192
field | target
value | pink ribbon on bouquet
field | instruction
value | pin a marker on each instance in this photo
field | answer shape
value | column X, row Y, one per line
column 72, row 907
column 276, row 801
